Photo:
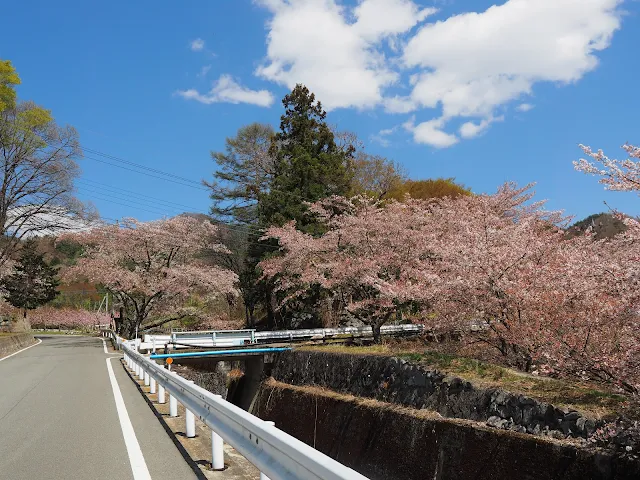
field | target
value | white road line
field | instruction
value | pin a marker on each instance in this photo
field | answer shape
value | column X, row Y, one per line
column 26, row 348
column 104, row 345
column 136, row 459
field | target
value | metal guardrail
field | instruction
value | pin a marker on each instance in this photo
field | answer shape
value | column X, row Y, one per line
column 323, row 333
column 218, row 338
column 228, row 338
column 276, row 453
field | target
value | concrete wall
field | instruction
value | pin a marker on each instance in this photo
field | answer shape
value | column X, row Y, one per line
column 13, row 343
column 387, row 442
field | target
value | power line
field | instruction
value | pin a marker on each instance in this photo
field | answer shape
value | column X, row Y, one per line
column 108, row 198
column 243, row 230
column 170, row 177
column 93, row 183
column 143, row 167
column 147, row 174
column 131, row 202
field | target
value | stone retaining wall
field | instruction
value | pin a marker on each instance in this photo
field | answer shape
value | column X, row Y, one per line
column 12, row 343
column 397, row 381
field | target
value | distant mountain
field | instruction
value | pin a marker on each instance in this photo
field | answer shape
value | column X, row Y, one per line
column 52, row 221
column 604, row 225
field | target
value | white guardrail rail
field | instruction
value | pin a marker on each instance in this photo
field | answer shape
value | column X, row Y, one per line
column 278, row 455
column 228, row 338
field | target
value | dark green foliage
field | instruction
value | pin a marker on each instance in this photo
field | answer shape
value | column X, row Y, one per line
column 309, row 165
column 66, row 252
column 33, row 282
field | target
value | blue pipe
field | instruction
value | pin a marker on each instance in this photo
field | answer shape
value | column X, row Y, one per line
column 219, row 352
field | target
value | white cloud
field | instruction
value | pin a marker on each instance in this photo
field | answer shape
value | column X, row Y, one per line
column 381, row 136
column 524, row 107
column 197, row 44
column 203, row 71
column 228, row 90
column 431, row 133
column 387, row 131
column 399, row 104
column 475, row 62
column 312, row 42
column 468, row 66
column 379, row 18
column 471, row 130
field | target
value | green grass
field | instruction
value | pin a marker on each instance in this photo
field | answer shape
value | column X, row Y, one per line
column 590, row 399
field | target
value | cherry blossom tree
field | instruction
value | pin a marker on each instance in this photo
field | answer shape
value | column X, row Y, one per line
column 68, row 318
column 363, row 262
column 153, row 268
column 621, row 175
column 498, row 260
column 543, row 297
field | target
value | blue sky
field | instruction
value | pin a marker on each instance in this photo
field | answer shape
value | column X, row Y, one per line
column 477, row 90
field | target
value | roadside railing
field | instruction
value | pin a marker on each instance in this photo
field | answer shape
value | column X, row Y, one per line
column 217, row 338
column 275, row 453
column 227, row 338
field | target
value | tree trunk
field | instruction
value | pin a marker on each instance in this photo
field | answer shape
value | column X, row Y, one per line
column 22, row 325
column 377, row 336
column 250, row 316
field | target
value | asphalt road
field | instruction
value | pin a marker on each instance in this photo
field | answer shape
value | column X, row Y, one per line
column 59, row 421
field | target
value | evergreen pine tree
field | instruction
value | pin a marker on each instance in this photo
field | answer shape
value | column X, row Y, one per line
column 309, row 165
column 33, row 282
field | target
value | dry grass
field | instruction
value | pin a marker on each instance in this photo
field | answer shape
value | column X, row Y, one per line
column 235, row 373
column 590, row 399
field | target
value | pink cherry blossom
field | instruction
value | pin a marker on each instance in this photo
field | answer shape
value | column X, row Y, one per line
column 498, row 260
column 616, row 174
column 67, row 318
column 154, row 267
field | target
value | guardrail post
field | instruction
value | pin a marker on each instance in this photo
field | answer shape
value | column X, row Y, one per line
column 173, row 406
column 190, row 421
column 161, row 398
column 262, row 475
column 141, row 372
column 152, row 389
column 217, row 449
column 147, row 378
